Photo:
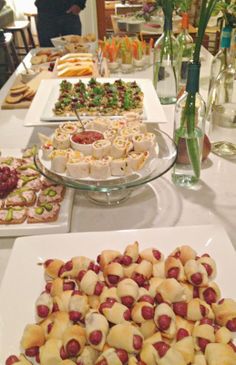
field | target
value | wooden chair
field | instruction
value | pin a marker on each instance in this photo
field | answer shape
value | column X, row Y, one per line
column 21, row 27
column 10, row 55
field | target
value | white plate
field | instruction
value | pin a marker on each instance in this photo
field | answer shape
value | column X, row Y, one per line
column 45, row 98
column 61, row 225
column 29, row 251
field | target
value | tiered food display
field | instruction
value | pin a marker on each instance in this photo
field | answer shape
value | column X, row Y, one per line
column 96, row 98
column 131, row 308
column 105, row 149
column 24, row 195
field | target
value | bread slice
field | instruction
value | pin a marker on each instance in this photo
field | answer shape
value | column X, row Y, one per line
column 51, row 194
column 13, row 215
column 43, row 214
column 21, row 197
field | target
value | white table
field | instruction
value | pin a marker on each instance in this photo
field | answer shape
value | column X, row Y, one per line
column 158, row 204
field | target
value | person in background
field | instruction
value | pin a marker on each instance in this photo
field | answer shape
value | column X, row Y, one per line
column 57, row 18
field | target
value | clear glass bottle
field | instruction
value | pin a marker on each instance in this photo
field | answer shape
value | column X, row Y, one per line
column 186, row 50
column 223, row 58
column 222, row 114
column 189, row 130
column 166, row 64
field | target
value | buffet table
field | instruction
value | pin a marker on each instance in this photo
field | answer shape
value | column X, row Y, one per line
column 157, row 204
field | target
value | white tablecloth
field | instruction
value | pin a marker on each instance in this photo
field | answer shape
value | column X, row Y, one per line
column 158, row 204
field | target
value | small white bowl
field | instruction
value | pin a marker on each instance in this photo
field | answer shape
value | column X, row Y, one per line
column 85, row 148
column 26, row 77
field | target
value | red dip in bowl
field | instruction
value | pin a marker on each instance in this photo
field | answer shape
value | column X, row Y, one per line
column 87, row 137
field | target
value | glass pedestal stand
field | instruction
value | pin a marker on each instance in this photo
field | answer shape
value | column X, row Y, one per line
column 116, row 190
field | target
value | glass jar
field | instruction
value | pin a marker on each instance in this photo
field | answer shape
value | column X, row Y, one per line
column 166, row 64
column 189, row 130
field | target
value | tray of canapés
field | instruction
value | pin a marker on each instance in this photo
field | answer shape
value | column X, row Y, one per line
column 93, row 97
column 28, row 202
column 105, row 150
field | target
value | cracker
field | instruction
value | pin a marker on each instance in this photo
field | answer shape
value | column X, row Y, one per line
column 13, row 99
column 18, row 86
column 20, row 91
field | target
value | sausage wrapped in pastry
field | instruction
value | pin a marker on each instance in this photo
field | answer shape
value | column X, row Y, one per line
column 184, row 253
column 225, row 312
column 174, row 269
column 184, row 344
column 211, row 294
column 170, row 291
column 131, row 254
column 209, row 265
column 164, row 319
column 113, row 357
column 78, row 306
column 195, row 310
column 128, row 291
column 44, row 305
column 96, row 327
column 196, row 273
column 203, row 334
column 142, row 272
column 126, row 337
column 33, row 337
column 89, row 283
column 220, row 354
column 151, row 254
column 106, row 257
column 88, row 356
column 74, row 340
column 142, row 311
column 52, row 268
column 113, row 273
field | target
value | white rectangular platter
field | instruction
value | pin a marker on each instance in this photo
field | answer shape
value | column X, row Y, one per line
column 61, row 225
column 46, row 96
column 18, row 296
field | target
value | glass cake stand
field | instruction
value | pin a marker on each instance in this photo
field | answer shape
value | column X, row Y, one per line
column 116, row 190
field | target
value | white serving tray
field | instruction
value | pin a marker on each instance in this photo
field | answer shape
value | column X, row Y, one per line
column 61, row 225
column 46, row 96
column 23, row 280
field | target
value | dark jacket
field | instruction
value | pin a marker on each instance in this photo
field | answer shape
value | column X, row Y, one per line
column 57, row 6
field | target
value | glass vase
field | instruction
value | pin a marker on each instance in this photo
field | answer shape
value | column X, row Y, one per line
column 186, row 50
column 221, row 113
column 165, row 65
column 189, row 130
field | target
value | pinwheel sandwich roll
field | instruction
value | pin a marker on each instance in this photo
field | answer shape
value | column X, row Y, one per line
column 131, row 342
column 61, row 140
column 78, row 167
column 59, row 160
column 137, row 160
column 110, row 134
column 99, row 124
column 96, row 327
column 119, row 167
column 120, row 147
column 47, row 149
column 101, row 148
column 129, row 132
column 101, row 169
column 68, row 127
column 144, row 142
